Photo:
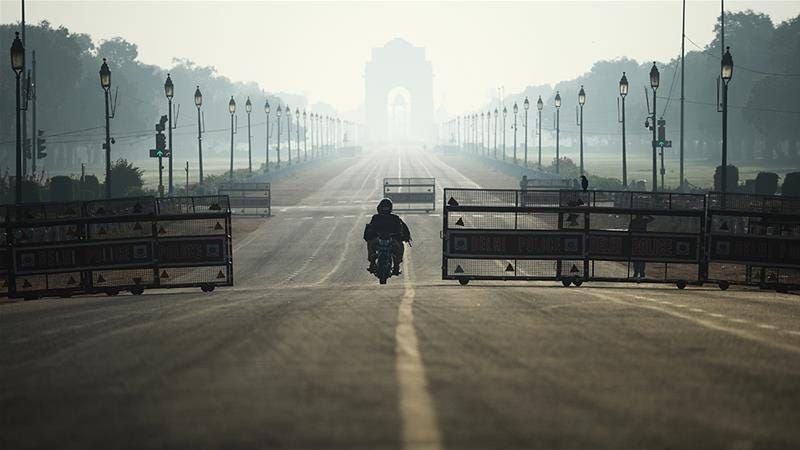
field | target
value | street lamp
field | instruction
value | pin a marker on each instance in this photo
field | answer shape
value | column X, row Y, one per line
column 248, row 106
column 169, row 92
column 288, row 112
column 278, row 121
column 581, row 102
column 539, row 106
column 198, row 102
column 525, row 105
column 482, row 146
column 105, row 83
column 623, row 92
column 655, row 79
column 18, row 65
column 516, row 109
column 266, row 147
column 558, row 128
column 495, row 133
column 232, row 110
column 505, row 113
column 305, row 136
column 297, row 123
column 726, row 73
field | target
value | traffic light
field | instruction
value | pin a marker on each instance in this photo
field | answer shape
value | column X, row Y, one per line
column 27, row 148
column 661, row 133
column 40, row 145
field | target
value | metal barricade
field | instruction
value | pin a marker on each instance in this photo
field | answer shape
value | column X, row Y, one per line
column 572, row 236
column 527, row 184
column 753, row 240
column 411, row 194
column 113, row 245
column 248, row 196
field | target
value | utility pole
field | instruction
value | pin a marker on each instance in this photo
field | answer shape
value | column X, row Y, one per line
column 681, row 186
column 34, row 147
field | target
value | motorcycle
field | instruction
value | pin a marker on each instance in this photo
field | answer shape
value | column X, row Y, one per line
column 384, row 259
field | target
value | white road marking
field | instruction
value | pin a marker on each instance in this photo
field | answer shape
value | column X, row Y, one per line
column 477, row 215
column 329, row 217
column 740, row 320
column 307, row 218
column 348, row 217
column 420, row 429
column 767, row 326
column 795, row 333
column 284, row 209
column 434, row 215
column 712, row 325
column 717, row 315
column 678, row 305
column 696, row 310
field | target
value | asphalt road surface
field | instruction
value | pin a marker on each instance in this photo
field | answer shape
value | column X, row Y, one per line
column 308, row 351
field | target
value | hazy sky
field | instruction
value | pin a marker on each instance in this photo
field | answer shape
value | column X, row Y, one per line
column 320, row 48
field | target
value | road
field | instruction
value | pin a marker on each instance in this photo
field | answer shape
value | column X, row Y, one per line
column 308, row 351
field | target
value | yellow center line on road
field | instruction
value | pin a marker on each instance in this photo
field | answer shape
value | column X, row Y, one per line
column 420, row 429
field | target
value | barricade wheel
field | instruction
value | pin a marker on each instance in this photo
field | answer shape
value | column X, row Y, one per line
column 207, row 288
column 137, row 291
column 724, row 285
column 463, row 282
column 577, row 283
column 681, row 284
column 566, row 283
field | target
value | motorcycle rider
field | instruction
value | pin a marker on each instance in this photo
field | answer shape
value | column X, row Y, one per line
column 386, row 222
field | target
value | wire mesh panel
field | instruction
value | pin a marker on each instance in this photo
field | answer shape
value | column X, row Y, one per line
column 244, row 196
column 754, row 240
column 411, row 194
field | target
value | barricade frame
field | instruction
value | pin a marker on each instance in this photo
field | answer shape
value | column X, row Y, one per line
column 403, row 192
column 575, row 242
column 68, row 245
column 246, row 195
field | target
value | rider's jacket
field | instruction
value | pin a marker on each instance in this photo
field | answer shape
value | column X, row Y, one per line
column 387, row 223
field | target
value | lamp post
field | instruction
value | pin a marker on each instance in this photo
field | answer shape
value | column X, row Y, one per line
column 248, row 106
column 539, row 106
column 623, row 92
column 232, row 110
column 278, row 121
column 655, row 79
column 496, row 114
column 505, row 113
column 516, row 109
column 525, row 105
column 288, row 112
column 169, row 92
column 726, row 73
column 458, row 132
column 105, row 83
column 198, row 102
column 581, row 102
column 297, row 126
column 482, row 144
column 558, row 128
column 305, row 136
column 17, row 65
column 266, row 147
column 488, row 131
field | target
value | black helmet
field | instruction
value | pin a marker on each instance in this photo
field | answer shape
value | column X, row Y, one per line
column 385, row 206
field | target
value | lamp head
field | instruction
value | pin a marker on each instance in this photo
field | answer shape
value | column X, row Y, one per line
column 623, row 85
column 17, row 54
column 232, row 106
column 105, row 75
column 169, row 88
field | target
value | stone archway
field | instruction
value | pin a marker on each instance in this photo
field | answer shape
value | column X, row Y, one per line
column 399, row 88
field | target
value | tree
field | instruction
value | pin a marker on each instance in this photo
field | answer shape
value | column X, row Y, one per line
column 791, row 185
column 126, row 179
column 732, row 181
column 61, row 189
column 766, row 183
